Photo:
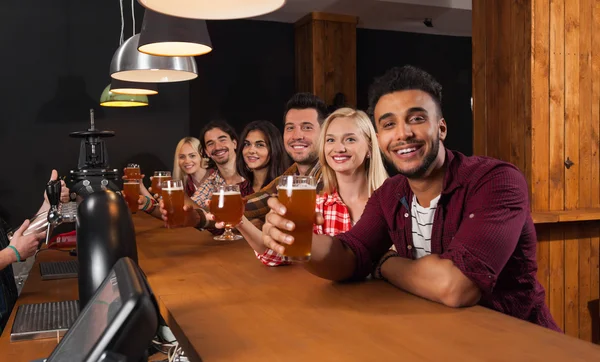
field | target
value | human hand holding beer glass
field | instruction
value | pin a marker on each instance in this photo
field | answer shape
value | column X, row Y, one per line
column 157, row 180
column 172, row 202
column 227, row 206
column 293, row 212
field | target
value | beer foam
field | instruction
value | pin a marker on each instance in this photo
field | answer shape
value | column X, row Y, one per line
column 297, row 187
column 227, row 193
column 172, row 189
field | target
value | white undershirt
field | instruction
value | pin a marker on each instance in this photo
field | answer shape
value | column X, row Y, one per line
column 422, row 223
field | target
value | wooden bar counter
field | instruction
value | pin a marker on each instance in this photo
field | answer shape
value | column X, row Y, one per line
column 224, row 305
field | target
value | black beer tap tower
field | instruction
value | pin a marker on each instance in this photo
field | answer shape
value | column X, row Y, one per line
column 105, row 231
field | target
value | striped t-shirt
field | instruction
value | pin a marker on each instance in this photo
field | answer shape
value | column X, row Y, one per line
column 422, row 223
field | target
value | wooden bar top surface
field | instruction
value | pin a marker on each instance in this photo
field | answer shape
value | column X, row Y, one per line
column 224, row 305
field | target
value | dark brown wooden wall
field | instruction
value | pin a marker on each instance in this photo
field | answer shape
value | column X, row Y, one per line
column 326, row 56
column 536, row 95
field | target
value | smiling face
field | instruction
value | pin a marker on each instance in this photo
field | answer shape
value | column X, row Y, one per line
column 256, row 151
column 346, row 147
column 219, row 146
column 300, row 135
column 188, row 159
column 410, row 131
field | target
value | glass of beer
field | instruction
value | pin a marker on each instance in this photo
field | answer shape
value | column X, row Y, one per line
column 132, row 171
column 172, row 195
column 157, row 180
column 227, row 206
column 299, row 195
column 131, row 188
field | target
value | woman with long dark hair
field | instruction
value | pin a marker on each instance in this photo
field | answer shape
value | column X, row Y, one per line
column 262, row 156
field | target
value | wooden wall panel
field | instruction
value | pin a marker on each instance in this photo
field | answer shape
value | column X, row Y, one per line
column 328, row 43
column 551, row 50
column 303, row 58
column 479, row 50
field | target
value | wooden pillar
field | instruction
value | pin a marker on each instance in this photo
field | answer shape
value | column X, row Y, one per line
column 326, row 56
column 536, row 103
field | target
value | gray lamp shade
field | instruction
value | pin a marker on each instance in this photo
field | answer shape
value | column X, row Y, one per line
column 213, row 9
column 123, row 87
column 166, row 35
column 133, row 66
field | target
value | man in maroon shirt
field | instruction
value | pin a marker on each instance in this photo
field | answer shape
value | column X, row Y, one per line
column 461, row 225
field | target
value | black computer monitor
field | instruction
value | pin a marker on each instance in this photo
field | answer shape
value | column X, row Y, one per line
column 122, row 318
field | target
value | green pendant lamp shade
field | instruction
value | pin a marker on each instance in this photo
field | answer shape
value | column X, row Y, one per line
column 110, row 99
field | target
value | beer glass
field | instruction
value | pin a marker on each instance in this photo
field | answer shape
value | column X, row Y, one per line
column 157, row 180
column 299, row 194
column 172, row 195
column 131, row 188
column 227, row 206
column 132, row 171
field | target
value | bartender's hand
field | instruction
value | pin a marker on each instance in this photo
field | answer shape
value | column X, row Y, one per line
column 26, row 245
column 273, row 231
column 64, row 190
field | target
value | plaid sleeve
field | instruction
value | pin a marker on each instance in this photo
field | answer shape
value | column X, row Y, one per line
column 256, row 204
column 318, row 229
column 272, row 258
column 493, row 219
column 203, row 193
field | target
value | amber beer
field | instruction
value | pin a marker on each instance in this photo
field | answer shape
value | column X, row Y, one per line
column 132, row 171
column 131, row 188
column 298, row 194
column 172, row 195
column 227, row 206
column 157, row 180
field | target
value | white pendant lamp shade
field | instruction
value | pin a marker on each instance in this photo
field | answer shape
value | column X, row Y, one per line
column 135, row 88
column 130, row 65
column 166, row 35
column 213, row 9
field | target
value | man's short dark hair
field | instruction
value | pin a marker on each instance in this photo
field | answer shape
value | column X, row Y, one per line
column 402, row 78
column 307, row 100
column 223, row 126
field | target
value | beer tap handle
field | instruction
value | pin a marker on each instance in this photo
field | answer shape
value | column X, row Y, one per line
column 53, row 189
column 54, row 217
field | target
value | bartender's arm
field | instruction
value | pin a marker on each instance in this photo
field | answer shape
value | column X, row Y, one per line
column 21, row 246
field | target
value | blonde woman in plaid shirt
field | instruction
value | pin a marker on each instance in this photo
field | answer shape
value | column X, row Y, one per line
column 352, row 169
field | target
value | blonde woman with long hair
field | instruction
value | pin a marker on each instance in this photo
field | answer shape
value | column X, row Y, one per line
column 188, row 166
column 352, row 169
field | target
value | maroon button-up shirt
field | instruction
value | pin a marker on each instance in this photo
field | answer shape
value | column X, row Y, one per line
column 482, row 223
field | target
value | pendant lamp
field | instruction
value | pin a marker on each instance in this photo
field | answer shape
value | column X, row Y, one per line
column 122, row 87
column 213, row 9
column 166, row 35
column 130, row 65
column 110, row 99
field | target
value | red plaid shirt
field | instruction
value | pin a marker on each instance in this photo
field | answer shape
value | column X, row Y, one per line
column 482, row 223
column 337, row 220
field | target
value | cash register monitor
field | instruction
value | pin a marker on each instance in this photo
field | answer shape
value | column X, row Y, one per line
column 121, row 318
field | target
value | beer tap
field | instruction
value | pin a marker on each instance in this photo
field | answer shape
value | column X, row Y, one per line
column 55, row 218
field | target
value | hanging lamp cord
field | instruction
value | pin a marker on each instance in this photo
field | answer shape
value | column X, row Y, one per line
column 122, row 23
column 132, row 17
